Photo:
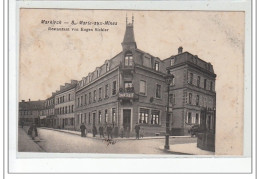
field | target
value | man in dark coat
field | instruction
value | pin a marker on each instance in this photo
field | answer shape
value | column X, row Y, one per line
column 83, row 129
column 109, row 131
column 137, row 130
column 94, row 130
column 101, row 131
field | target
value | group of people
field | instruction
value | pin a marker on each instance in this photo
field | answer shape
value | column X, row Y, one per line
column 109, row 130
column 32, row 131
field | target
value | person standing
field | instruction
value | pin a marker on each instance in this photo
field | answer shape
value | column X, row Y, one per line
column 83, row 129
column 109, row 131
column 94, row 130
column 101, row 131
column 137, row 130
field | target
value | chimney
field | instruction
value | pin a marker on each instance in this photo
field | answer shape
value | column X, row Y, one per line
column 29, row 99
column 180, row 50
column 23, row 101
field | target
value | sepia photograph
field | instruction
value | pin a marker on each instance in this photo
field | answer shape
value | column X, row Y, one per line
column 131, row 82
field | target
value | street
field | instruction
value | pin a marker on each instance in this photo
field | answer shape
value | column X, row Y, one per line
column 59, row 142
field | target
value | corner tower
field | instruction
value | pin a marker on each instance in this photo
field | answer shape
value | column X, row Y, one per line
column 129, row 38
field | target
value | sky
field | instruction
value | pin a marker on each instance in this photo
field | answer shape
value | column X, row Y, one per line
column 49, row 59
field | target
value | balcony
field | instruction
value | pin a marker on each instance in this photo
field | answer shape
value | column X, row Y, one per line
column 127, row 95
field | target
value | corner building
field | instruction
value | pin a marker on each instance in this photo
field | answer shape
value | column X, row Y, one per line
column 127, row 89
column 191, row 93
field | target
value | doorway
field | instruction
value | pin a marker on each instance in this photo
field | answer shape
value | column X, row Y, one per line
column 127, row 118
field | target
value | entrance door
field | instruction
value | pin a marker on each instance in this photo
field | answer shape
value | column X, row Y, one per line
column 126, row 118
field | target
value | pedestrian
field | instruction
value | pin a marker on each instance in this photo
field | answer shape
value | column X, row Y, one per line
column 109, row 131
column 35, row 130
column 22, row 123
column 94, row 130
column 127, row 131
column 83, row 129
column 142, row 132
column 101, row 131
column 137, row 130
column 30, row 130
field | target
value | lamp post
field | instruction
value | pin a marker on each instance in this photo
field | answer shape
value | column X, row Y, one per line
column 168, row 78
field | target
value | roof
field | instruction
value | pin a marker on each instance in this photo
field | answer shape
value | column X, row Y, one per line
column 31, row 105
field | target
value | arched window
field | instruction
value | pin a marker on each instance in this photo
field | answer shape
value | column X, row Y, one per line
column 129, row 59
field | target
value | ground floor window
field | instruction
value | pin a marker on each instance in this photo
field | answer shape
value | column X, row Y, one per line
column 155, row 117
column 197, row 118
column 143, row 115
column 71, row 121
column 106, row 116
column 99, row 117
column 189, row 118
column 113, row 115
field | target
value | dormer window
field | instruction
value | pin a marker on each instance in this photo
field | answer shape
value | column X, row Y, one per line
column 156, row 66
column 129, row 59
column 107, row 67
column 172, row 61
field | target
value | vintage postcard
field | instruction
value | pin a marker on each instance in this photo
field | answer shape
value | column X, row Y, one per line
column 131, row 82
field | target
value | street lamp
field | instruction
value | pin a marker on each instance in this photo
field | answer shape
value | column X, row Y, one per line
column 168, row 78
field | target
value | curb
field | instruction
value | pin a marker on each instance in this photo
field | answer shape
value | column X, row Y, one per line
column 119, row 138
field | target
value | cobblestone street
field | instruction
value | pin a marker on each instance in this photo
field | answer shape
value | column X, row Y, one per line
column 55, row 141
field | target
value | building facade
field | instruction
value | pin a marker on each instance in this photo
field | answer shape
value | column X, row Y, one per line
column 29, row 111
column 127, row 89
column 192, row 91
column 65, row 106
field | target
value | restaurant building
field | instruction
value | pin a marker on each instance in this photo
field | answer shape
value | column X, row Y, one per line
column 125, row 90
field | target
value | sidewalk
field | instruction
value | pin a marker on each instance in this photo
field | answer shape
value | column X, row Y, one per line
column 187, row 149
column 25, row 142
column 89, row 135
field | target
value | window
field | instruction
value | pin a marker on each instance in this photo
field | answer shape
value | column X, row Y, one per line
column 89, row 98
column 107, row 67
column 189, row 118
column 172, row 61
column 155, row 117
column 98, row 73
column 190, row 98
column 114, row 88
column 81, row 100
column 86, row 99
column 62, row 98
column 106, row 116
column 95, row 96
column 198, row 81
column 143, row 115
column 171, row 98
column 78, row 101
column 211, row 86
column 85, row 118
column 99, row 117
column 142, row 87
column 72, row 108
column 197, row 100
column 89, row 120
column 191, row 78
column 106, row 91
column 128, row 86
column 69, row 97
column 58, row 101
column 66, row 110
column 156, row 66
column 197, row 118
column 71, row 121
column 81, row 118
column 173, row 82
column 99, row 94
column 62, row 110
column 158, row 91
column 113, row 115
column 205, row 83
column 69, row 109
column 129, row 59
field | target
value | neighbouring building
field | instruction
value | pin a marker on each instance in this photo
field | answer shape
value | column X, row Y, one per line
column 29, row 111
column 125, row 90
column 49, row 113
column 65, row 106
column 192, row 91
